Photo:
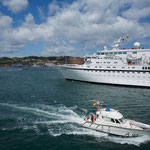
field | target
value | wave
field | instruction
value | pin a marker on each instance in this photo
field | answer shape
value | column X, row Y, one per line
column 11, row 70
column 58, row 119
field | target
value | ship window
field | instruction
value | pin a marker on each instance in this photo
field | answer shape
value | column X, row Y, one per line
column 117, row 121
column 108, row 62
column 120, row 120
column 134, row 52
column 124, row 52
column 111, row 53
column 97, row 62
column 142, row 67
column 106, row 53
column 145, row 67
column 148, row 67
column 115, row 52
column 112, row 120
column 107, row 119
column 115, row 62
column 119, row 52
column 102, row 53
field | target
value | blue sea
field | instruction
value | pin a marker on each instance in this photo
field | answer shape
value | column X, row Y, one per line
column 39, row 110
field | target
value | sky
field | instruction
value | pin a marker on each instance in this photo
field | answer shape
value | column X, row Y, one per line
column 70, row 27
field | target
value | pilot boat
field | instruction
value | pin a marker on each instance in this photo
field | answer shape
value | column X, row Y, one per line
column 111, row 121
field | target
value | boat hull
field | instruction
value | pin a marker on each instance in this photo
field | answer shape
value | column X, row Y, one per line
column 118, row 131
column 131, row 78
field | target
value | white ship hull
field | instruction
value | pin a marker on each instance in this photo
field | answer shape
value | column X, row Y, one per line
column 115, row 77
column 125, row 132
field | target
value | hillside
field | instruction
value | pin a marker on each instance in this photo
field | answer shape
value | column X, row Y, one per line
column 31, row 60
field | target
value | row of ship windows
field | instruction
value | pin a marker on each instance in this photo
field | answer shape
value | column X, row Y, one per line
column 112, row 53
column 115, row 67
column 144, row 68
column 120, row 76
column 118, row 71
column 106, row 62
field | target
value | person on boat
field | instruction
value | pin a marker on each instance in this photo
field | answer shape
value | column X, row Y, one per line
column 92, row 117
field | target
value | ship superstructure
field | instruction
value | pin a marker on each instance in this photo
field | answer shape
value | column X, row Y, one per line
column 129, row 67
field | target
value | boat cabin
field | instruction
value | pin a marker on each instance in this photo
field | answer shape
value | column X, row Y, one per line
column 110, row 115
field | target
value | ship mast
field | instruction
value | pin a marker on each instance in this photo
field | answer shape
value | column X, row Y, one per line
column 118, row 42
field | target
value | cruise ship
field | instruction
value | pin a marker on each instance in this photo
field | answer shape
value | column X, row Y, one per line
column 118, row 66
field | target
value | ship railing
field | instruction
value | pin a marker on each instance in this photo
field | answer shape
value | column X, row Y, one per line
column 71, row 65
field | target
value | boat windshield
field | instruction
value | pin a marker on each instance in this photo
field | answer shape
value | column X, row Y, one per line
column 119, row 121
column 122, row 120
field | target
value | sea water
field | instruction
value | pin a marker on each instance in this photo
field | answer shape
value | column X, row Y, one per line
column 39, row 110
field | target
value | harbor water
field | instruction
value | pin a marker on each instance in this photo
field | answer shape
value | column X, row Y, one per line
column 39, row 110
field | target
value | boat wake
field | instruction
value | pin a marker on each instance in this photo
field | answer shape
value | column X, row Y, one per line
column 57, row 120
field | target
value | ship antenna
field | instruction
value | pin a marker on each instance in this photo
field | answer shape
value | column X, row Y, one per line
column 118, row 42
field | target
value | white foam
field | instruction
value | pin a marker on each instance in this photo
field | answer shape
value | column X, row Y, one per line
column 131, row 141
column 52, row 122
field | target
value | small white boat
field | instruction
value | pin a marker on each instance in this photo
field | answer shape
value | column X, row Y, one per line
column 111, row 121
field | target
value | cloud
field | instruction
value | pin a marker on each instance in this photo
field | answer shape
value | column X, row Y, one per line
column 41, row 13
column 138, row 10
column 83, row 24
column 55, row 48
column 136, row 14
column 53, row 7
column 29, row 19
column 15, row 6
column 5, row 21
